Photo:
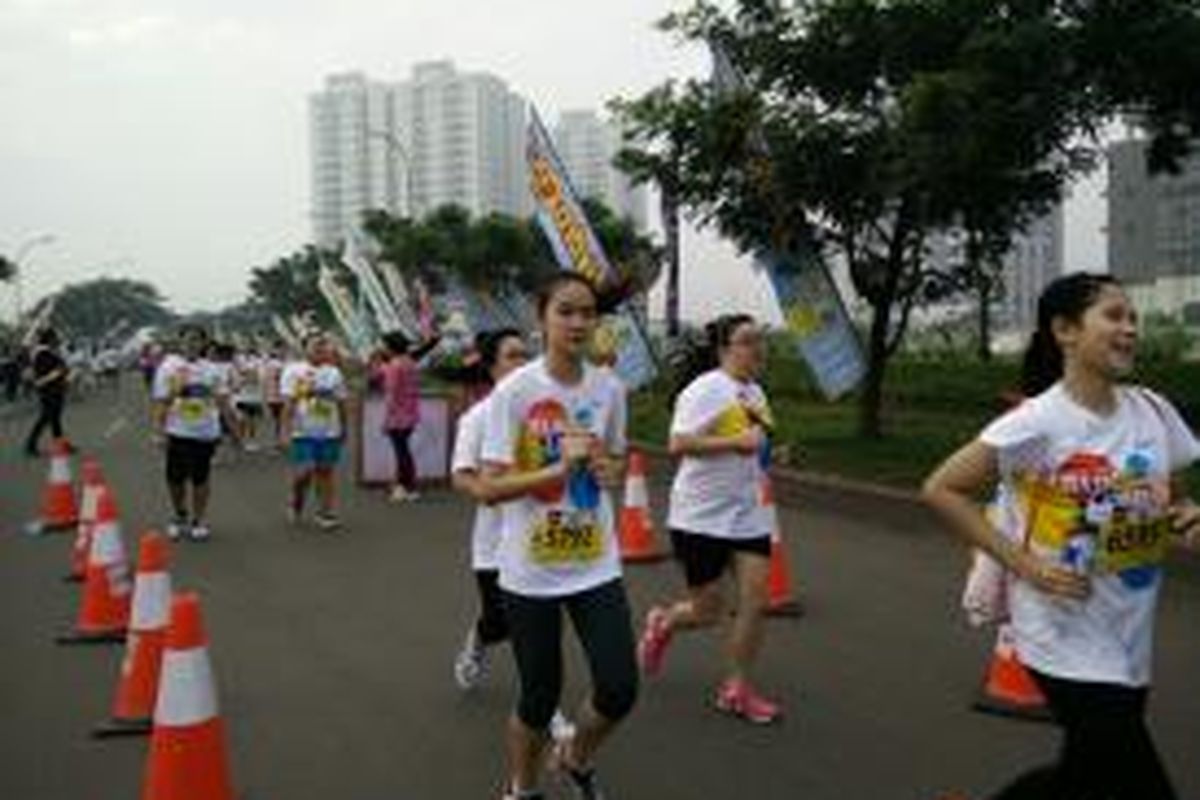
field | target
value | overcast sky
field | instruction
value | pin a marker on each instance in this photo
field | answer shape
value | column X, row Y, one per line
column 168, row 140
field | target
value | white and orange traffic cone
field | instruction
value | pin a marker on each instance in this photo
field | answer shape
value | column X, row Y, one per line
column 59, row 510
column 1008, row 688
column 104, row 607
column 93, row 481
column 188, row 756
column 137, row 685
column 781, row 599
column 636, row 529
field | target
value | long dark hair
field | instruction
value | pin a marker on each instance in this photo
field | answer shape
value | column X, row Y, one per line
column 608, row 298
column 1067, row 298
column 697, row 354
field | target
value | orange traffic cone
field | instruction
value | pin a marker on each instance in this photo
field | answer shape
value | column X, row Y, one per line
column 781, row 601
column 93, row 480
column 104, row 610
column 636, row 529
column 187, row 759
column 1008, row 688
column 137, row 687
column 59, row 511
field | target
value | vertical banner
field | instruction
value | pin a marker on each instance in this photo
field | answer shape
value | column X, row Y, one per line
column 811, row 304
column 576, row 247
column 349, row 319
column 813, row 313
column 382, row 307
column 403, row 300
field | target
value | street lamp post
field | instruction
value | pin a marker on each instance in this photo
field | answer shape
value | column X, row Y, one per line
column 18, row 262
column 395, row 146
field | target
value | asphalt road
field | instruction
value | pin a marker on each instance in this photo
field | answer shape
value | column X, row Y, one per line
column 333, row 652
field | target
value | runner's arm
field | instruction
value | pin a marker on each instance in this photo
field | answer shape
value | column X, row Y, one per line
column 951, row 491
column 1185, row 514
column 696, row 444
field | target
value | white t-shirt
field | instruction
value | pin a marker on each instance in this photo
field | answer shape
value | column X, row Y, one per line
column 719, row 494
column 1091, row 493
column 248, row 380
column 468, row 456
column 191, row 390
column 561, row 539
column 316, row 391
column 272, row 371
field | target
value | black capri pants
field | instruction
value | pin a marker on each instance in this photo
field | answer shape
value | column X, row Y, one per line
column 602, row 623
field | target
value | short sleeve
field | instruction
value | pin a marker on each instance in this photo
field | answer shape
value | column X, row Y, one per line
column 287, row 383
column 468, row 440
column 1182, row 447
column 162, row 382
column 500, row 428
column 339, row 385
column 695, row 409
column 1016, row 436
column 221, row 380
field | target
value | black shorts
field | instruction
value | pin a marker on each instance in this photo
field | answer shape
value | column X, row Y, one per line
column 250, row 409
column 189, row 460
column 704, row 558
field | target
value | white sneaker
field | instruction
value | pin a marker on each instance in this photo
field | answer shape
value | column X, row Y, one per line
column 199, row 532
column 176, row 530
column 471, row 663
column 327, row 521
column 562, row 730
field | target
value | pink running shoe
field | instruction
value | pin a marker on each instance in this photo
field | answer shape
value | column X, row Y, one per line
column 652, row 647
column 738, row 698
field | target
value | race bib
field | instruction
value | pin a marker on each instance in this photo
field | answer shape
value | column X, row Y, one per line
column 193, row 410
column 1127, row 544
column 563, row 537
column 323, row 410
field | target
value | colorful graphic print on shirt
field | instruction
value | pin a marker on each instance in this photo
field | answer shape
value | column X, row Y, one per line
column 1094, row 516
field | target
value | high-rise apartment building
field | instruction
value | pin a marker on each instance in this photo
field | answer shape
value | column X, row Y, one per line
column 587, row 145
column 440, row 137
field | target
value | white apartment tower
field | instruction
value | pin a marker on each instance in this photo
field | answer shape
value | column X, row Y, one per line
column 587, row 145
column 440, row 137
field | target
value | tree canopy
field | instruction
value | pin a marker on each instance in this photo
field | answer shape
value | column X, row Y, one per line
column 97, row 308
column 862, row 127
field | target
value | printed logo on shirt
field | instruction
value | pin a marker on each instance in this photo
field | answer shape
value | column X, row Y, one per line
column 539, row 444
column 1094, row 517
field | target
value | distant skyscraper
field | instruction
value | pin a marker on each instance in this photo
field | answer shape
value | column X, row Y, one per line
column 1153, row 221
column 587, row 146
column 441, row 137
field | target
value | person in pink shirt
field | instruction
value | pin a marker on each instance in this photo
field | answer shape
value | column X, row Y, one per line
column 399, row 376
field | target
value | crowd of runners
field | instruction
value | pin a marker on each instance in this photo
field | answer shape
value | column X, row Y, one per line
column 1082, row 471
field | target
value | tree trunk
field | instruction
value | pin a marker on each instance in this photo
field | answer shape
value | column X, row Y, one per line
column 985, row 321
column 870, row 408
column 670, row 219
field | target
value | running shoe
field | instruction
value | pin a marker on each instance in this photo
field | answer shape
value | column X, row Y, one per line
column 399, row 495
column 582, row 783
column 562, row 730
column 327, row 521
column 471, row 663
column 738, row 698
column 177, row 529
column 199, row 532
column 652, row 647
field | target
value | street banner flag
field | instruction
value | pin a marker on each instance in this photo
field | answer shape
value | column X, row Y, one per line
column 576, row 247
column 382, row 306
column 808, row 298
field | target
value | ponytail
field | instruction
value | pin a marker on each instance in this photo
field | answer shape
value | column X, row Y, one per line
column 1066, row 298
column 697, row 354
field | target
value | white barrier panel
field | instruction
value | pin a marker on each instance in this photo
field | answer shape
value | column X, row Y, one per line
column 430, row 442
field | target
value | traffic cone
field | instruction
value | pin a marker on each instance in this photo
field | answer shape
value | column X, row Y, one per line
column 1008, row 688
column 104, row 609
column 187, row 759
column 636, row 529
column 781, row 601
column 93, row 480
column 59, row 511
column 137, row 686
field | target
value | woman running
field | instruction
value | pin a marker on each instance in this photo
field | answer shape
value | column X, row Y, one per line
column 553, row 450
column 720, row 431
column 314, row 423
column 500, row 352
column 1086, row 466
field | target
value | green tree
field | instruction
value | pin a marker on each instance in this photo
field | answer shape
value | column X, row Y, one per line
column 288, row 287
column 867, row 125
column 92, row 309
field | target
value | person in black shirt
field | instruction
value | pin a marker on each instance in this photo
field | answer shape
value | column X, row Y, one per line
column 50, row 381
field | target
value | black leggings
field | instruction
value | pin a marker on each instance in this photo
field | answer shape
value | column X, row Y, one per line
column 601, row 620
column 1107, row 753
column 406, row 469
column 51, row 415
column 492, row 626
